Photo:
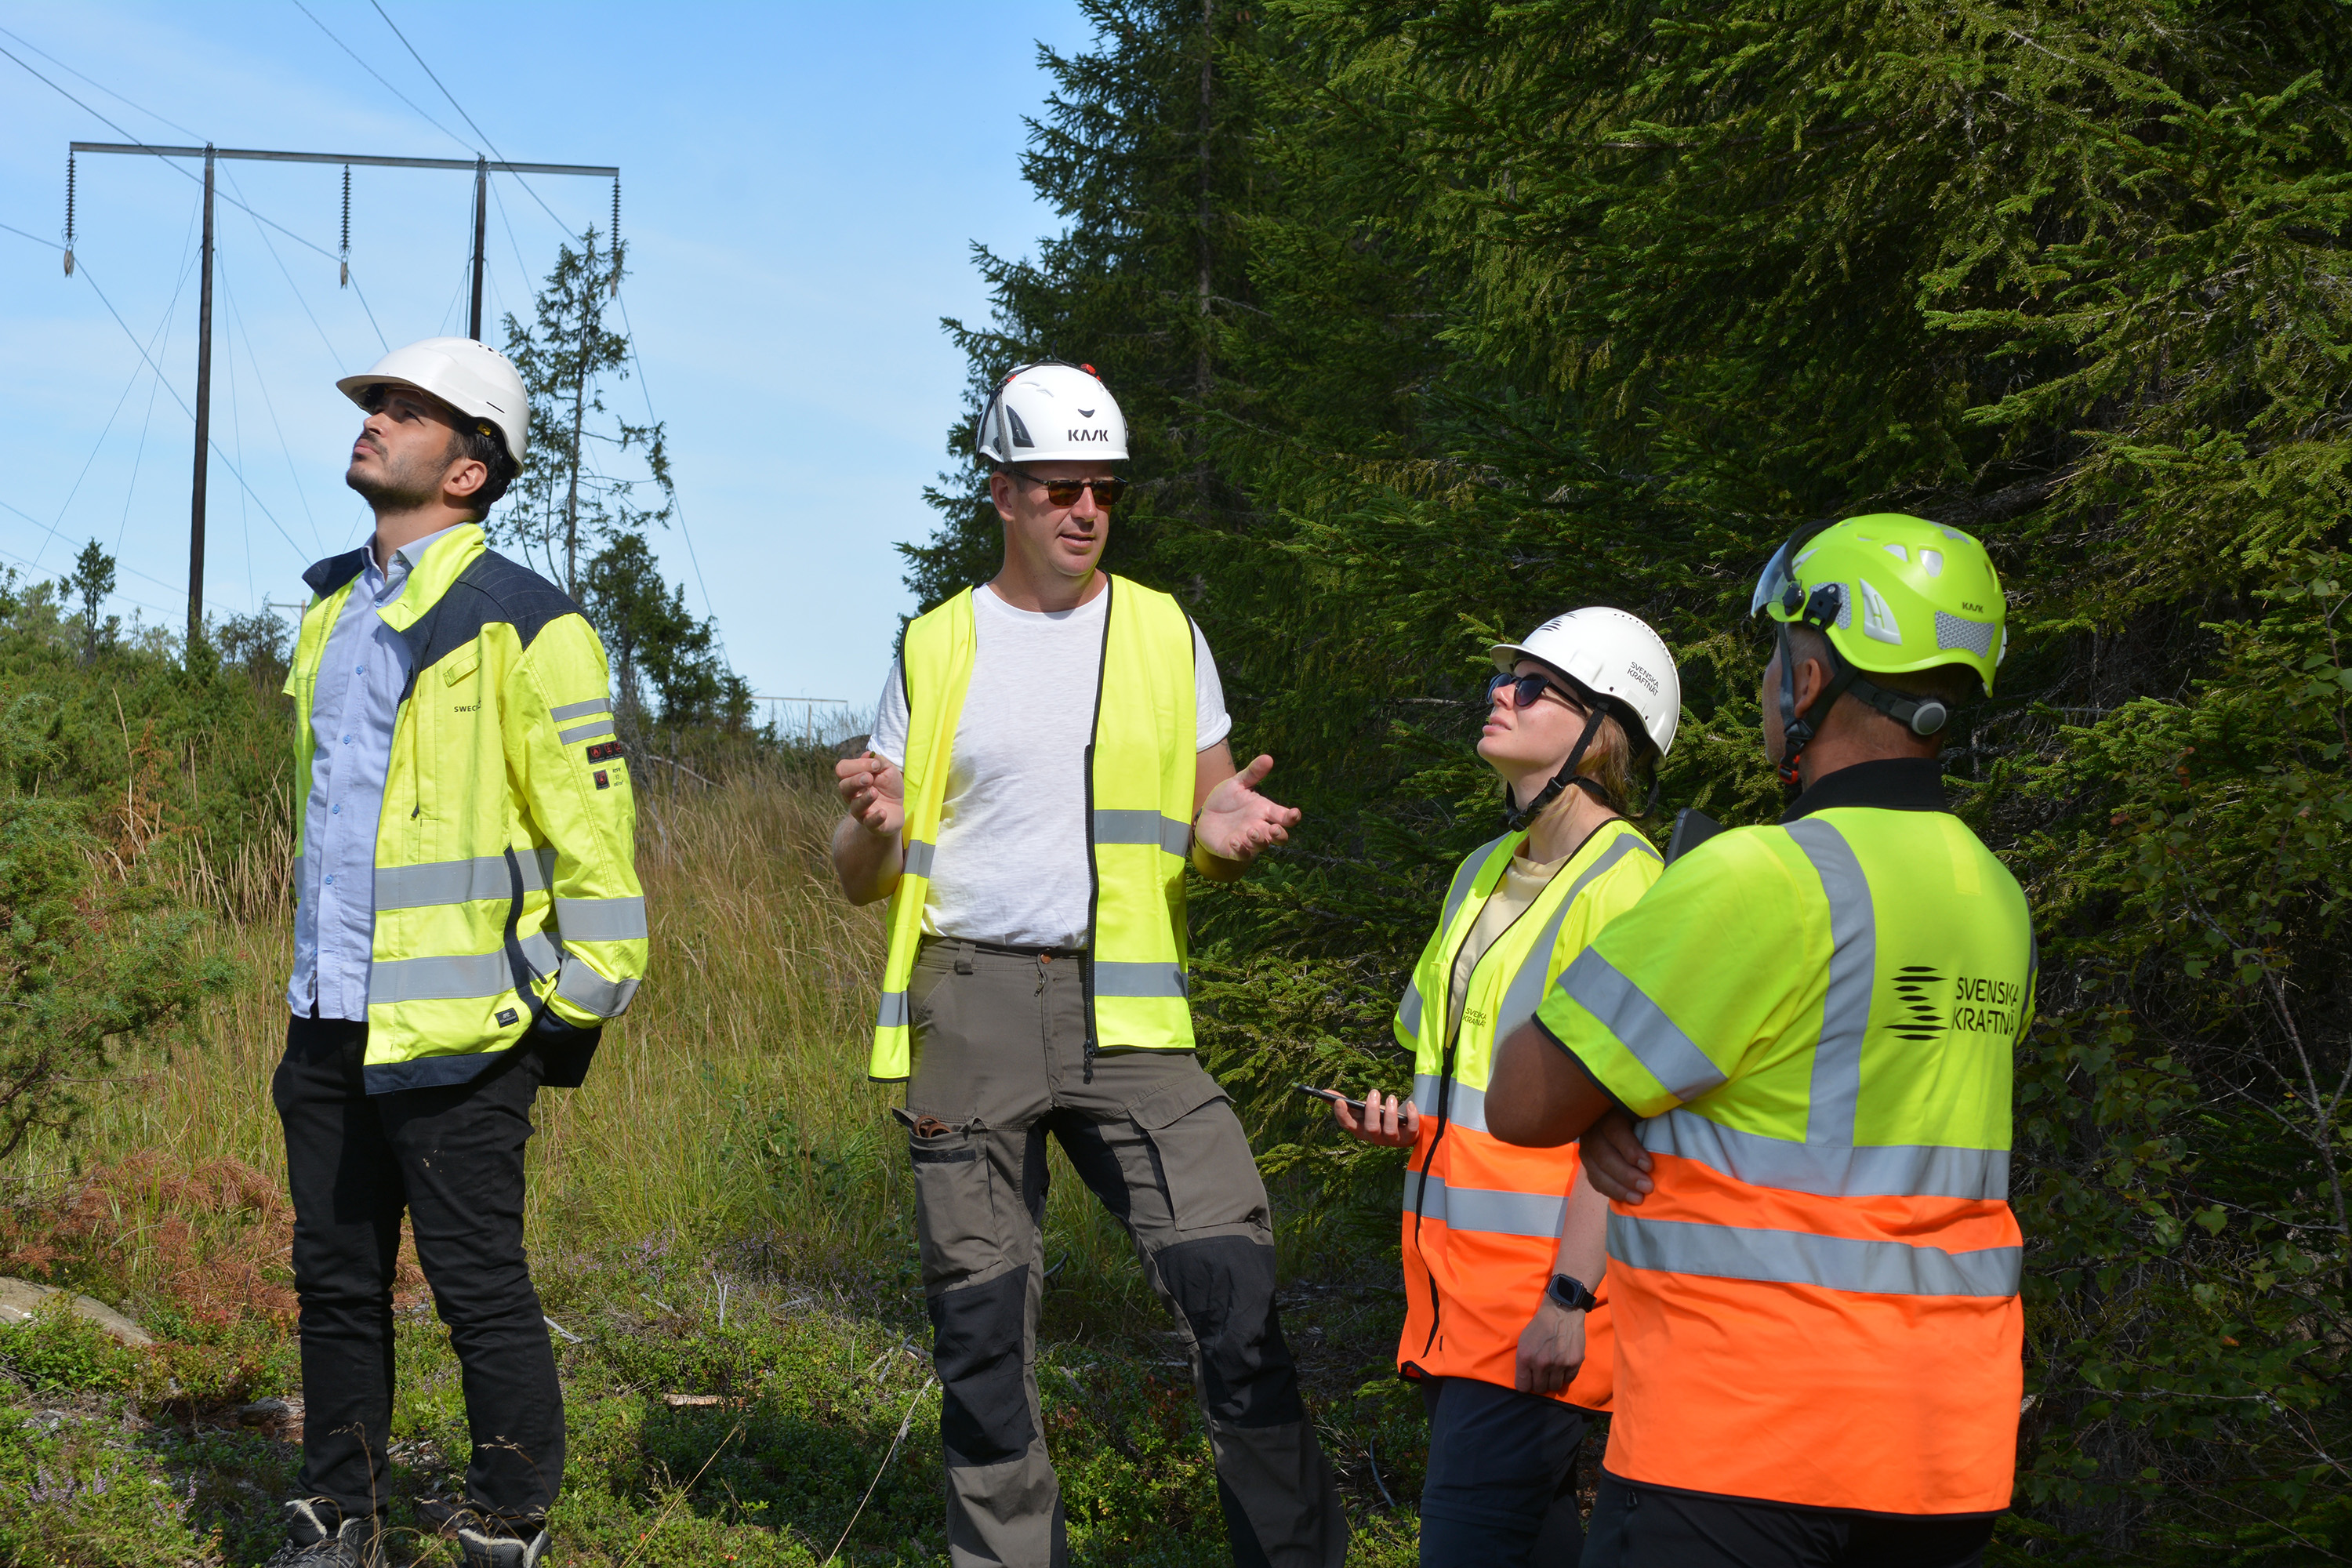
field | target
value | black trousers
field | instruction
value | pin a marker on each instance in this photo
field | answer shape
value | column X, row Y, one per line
column 451, row 1158
column 1644, row 1527
column 1500, row 1490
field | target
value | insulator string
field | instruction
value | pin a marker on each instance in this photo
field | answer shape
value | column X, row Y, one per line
column 69, row 212
column 346, row 256
column 617, row 234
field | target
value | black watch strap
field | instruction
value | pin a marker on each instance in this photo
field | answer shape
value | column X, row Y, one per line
column 1568, row 1291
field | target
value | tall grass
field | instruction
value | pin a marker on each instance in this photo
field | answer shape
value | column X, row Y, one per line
column 729, row 1109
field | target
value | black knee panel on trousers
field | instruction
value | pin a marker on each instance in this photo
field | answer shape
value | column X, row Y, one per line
column 1225, row 1286
column 976, row 1334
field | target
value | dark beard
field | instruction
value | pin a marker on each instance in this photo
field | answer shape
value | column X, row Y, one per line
column 407, row 487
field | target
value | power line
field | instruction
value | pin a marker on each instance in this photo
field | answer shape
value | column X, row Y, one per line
column 647, row 391
column 396, row 92
column 100, row 85
column 237, row 317
column 84, row 272
column 28, row 517
column 299, row 298
column 119, row 131
column 459, row 107
column 36, row 239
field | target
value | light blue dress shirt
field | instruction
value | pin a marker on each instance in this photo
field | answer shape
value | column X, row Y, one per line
column 361, row 676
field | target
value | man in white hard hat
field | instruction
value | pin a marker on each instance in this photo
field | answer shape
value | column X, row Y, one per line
column 1049, row 756
column 467, row 917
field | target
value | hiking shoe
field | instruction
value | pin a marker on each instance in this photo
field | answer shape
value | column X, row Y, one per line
column 487, row 1545
column 318, row 1536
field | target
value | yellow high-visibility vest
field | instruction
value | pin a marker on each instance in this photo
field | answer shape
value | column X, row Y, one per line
column 506, row 879
column 1139, row 776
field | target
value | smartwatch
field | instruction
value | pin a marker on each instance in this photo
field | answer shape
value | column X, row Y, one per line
column 1567, row 1290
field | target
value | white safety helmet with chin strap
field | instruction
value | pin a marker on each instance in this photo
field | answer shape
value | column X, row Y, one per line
column 1051, row 412
column 1613, row 661
column 473, row 378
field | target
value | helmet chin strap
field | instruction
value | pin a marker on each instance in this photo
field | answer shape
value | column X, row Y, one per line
column 1923, row 716
column 1515, row 817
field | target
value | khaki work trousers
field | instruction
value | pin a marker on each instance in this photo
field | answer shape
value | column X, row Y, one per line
column 1000, row 1063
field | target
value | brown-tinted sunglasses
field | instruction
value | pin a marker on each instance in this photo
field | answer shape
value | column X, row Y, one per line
column 1107, row 487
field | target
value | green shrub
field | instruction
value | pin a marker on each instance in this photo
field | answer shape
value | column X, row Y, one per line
column 57, row 1351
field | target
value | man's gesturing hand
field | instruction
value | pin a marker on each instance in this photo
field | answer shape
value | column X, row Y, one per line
column 875, row 792
column 1236, row 822
column 1614, row 1159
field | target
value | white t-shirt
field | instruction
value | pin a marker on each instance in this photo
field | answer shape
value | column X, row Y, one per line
column 1012, row 859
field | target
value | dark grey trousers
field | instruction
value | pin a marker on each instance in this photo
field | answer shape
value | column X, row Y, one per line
column 999, row 1066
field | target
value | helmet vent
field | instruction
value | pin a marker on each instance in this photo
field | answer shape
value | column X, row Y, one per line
column 1878, row 619
column 1021, row 437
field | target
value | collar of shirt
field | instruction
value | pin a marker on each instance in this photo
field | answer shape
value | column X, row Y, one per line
column 1888, row 784
column 385, row 587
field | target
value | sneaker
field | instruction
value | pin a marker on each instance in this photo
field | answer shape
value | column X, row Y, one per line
column 318, row 1536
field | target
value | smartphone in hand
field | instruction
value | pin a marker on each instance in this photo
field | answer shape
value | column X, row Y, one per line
column 1334, row 1096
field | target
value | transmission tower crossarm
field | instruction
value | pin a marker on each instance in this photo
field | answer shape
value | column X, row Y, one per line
column 151, row 150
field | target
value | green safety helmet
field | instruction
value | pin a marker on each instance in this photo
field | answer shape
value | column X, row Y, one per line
column 1893, row 595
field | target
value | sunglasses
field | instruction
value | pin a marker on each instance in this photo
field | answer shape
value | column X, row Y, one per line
column 1065, row 492
column 1526, row 690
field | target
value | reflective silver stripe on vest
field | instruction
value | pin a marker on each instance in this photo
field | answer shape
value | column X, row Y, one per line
column 1525, row 993
column 297, row 877
column 893, row 1013
column 583, row 987
column 1466, row 1109
column 460, row 977
column 601, row 919
column 588, row 732
column 1901, row 1170
column 459, row 881
column 1143, row 827
column 1486, row 1208
column 1408, row 1012
column 1845, row 1007
column 1122, row 979
column 1798, row 1257
column 581, row 710
column 1464, row 878
column 918, row 857
column 1656, row 1041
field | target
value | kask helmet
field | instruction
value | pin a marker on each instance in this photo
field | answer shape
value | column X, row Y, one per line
column 470, row 377
column 1892, row 594
column 1051, row 412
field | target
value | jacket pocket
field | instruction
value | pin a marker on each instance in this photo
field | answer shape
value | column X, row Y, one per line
column 1202, row 1156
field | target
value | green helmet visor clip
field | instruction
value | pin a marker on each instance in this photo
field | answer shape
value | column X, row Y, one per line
column 1779, row 587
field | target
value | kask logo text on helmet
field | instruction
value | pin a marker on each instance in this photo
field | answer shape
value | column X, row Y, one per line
column 1089, row 434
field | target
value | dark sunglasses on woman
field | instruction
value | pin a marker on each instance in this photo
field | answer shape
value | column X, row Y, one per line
column 1529, row 689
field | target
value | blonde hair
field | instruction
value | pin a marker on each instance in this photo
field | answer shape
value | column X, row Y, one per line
column 1607, row 762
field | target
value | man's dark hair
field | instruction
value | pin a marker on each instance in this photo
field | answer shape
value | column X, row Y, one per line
column 486, row 446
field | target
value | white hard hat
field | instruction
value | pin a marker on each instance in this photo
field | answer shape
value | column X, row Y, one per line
column 470, row 377
column 1051, row 412
column 1613, row 655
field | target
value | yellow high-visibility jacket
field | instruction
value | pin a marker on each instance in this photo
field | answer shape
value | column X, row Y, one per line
column 505, row 880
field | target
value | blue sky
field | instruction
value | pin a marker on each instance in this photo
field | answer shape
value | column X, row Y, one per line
column 801, row 186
